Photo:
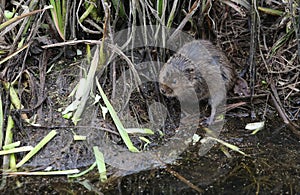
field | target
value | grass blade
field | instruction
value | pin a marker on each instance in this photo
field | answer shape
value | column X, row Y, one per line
column 117, row 121
column 139, row 130
column 43, row 173
column 228, row 145
column 87, row 88
column 11, row 145
column 100, row 163
column 83, row 172
column 16, row 150
column 119, row 7
column 37, row 148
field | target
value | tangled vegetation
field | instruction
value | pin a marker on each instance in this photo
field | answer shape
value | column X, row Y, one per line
column 42, row 44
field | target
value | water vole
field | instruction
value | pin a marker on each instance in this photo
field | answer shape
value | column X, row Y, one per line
column 200, row 67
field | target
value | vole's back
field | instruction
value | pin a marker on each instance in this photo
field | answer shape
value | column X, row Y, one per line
column 207, row 57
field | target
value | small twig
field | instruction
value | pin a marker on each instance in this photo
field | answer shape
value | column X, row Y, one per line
column 235, row 105
column 81, row 25
column 37, row 105
column 247, row 97
column 42, row 80
column 72, row 43
column 185, row 20
column 253, row 40
column 184, row 180
column 276, row 101
column 18, row 18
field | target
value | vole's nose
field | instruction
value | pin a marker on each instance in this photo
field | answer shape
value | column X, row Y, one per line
column 165, row 90
column 162, row 90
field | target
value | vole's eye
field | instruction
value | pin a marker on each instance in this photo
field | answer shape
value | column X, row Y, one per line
column 189, row 70
column 174, row 81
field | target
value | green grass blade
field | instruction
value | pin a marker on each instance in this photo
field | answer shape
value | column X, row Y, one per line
column 100, row 163
column 117, row 120
column 83, row 172
column 87, row 12
column 139, row 130
column 57, row 17
column 228, row 145
column 172, row 14
column 118, row 5
column 160, row 4
column 37, row 148
column 15, row 98
column 270, row 11
column 7, row 160
column 11, row 145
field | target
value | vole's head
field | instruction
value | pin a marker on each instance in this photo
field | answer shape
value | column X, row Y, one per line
column 178, row 76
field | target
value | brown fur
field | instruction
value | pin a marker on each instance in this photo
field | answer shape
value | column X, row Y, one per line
column 201, row 67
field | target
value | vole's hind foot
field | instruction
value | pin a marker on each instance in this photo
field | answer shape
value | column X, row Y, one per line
column 211, row 118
